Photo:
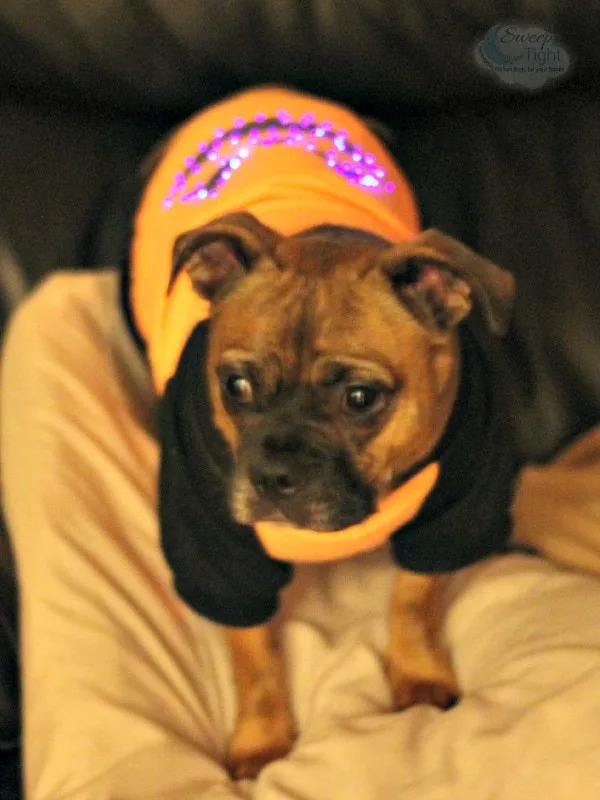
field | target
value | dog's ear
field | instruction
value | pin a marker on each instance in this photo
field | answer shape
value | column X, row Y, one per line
column 438, row 278
column 216, row 255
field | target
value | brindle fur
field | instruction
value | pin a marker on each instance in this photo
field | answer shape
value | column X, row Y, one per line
column 323, row 296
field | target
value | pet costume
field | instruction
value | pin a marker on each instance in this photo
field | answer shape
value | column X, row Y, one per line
column 295, row 162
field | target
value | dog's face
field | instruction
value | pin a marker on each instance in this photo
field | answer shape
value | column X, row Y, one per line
column 333, row 359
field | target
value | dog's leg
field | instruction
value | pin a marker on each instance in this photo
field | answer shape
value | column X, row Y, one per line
column 418, row 668
column 264, row 729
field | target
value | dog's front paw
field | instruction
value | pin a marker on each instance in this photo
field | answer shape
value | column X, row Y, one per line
column 435, row 686
column 258, row 740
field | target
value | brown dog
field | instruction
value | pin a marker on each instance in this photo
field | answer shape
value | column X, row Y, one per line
column 334, row 366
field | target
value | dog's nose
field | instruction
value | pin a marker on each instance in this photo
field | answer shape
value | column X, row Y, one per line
column 274, row 479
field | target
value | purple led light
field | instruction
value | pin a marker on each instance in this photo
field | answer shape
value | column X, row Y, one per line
column 369, row 180
column 272, row 135
column 358, row 168
column 306, row 120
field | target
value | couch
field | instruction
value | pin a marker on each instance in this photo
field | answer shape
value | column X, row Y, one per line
column 87, row 89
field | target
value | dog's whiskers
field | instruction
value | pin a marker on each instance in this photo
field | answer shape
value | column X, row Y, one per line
column 319, row 516
column 243, row 498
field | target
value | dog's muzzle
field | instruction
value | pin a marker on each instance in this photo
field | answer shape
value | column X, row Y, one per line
column 300, row 478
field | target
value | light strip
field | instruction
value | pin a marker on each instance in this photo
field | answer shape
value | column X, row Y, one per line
column 320, row 138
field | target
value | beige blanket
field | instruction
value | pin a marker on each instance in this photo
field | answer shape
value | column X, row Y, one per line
column 128, row 694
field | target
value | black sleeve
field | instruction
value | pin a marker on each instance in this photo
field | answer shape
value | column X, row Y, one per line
column 219, row 567
column 467, row 516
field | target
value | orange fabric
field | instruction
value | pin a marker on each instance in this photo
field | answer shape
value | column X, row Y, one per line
column 396, row 510
column 286, row 188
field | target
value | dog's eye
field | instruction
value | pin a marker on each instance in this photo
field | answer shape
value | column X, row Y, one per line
column 239, row 388
column 359, row 399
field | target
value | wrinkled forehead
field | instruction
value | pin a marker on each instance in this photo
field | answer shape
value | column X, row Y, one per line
column 301, row 318
column 265, row 312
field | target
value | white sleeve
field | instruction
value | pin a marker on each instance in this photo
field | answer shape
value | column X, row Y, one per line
column 128, row 695
column 117, row 693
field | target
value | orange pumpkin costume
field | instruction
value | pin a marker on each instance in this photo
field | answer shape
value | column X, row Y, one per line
column 286, row 186
column 295, row 162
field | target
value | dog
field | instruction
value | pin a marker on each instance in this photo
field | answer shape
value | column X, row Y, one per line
column 309, row 359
